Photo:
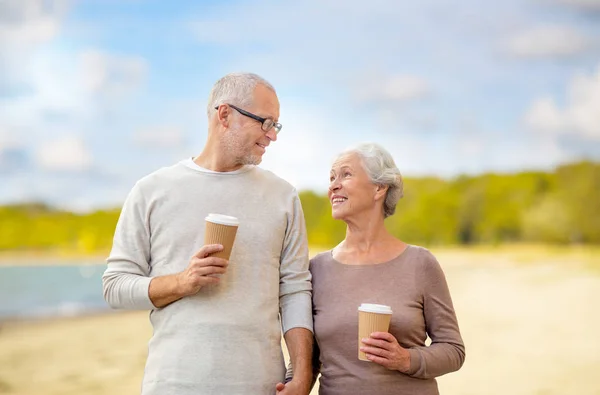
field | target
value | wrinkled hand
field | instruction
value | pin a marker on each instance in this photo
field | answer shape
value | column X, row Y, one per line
column 383, row 349
column 291, row 388
column 201, row 270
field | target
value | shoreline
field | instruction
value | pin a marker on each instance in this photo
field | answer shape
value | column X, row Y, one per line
column 44, row 259
column 519, row 251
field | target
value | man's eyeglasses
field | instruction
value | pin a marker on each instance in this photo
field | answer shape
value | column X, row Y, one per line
column 267, row 123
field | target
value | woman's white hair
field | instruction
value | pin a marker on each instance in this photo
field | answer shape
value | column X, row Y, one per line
column 236, row 89
column 382, row 170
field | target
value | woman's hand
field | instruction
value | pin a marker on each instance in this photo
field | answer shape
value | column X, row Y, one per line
column 383, row 349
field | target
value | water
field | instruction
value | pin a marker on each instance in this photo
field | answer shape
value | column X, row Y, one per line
column 51, row 290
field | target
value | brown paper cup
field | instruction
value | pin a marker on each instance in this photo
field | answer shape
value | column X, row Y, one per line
column 221, row 229
column 372, row 318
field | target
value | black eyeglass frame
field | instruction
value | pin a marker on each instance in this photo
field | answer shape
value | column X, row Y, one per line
column 276, row 125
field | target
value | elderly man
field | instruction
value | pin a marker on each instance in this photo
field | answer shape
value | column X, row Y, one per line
column 216, row 323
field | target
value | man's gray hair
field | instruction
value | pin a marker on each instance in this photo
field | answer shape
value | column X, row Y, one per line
column 382, row 170
column 236, row 89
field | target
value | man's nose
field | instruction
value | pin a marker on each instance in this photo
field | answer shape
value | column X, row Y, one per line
column 272, row 134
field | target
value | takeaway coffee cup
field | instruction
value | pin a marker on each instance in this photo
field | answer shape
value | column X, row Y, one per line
column 221, row 229
column 372, row 318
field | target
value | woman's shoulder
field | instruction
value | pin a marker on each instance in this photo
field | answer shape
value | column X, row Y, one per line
column 420, row 251
column 423, row 257
column 320, row 259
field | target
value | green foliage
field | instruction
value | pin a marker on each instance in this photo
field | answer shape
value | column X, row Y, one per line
column 36, row 227
column 558, row 207
column 322, row 229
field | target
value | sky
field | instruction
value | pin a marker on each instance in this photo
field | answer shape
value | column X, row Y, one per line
column 96, row 94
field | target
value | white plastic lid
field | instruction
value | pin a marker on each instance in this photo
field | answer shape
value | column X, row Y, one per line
column 375, row 308
column 222, row 219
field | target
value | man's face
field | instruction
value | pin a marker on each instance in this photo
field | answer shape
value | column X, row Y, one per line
column 245, row 139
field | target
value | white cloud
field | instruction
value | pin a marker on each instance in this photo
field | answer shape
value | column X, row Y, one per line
column 409, row 153
column 51, row 78
column 13, row 153
column 471, row 146
column 41, row 79
column 547, row 41
column 163, row 137
column 545, row 115
column 590, row 5
column 13, row 160
column 508, row 153
column 470, row 137
column 409, row 48
column 344, row 39
column 9, row 138
column 393, row 89
column 580, row 116
column 111, row 76
column 79, row 88
column 309, row 142
column 583, row 112
column 303, row 151
column 67, row 154
column 24, row 26
column 236, row 23
column 27, row 23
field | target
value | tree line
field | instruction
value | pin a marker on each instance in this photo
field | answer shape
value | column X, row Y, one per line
column 557, row 207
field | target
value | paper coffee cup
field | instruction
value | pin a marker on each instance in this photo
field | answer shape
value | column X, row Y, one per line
column 221, row 229
column 372, row 318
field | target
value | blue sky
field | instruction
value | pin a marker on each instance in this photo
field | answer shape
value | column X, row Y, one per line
column 96, row 94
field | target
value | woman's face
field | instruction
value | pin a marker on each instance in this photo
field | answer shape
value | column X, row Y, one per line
column 351, row 192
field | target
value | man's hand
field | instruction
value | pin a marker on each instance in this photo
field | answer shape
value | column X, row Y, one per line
column 383, row 349
column 201, row 270
column 292, row 388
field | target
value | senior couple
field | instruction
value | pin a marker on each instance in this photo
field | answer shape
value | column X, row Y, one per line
column 217, row 323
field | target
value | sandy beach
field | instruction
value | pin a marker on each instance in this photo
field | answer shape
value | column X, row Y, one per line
column 527, row 319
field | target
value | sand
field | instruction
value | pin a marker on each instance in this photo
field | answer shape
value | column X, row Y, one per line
column 529, row 323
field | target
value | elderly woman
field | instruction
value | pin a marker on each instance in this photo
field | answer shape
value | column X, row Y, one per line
column 372, row 266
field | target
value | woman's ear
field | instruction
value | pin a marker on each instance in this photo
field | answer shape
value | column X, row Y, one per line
column 380, row 191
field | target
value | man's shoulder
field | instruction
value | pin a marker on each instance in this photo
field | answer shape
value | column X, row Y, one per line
column 273, row 179
column 161, row 176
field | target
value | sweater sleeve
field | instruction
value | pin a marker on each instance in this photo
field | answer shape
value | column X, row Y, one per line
column 447, row 351
column 295, row 289
column 127, row 277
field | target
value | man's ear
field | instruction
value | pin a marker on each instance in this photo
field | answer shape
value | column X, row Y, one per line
column 223, row 115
